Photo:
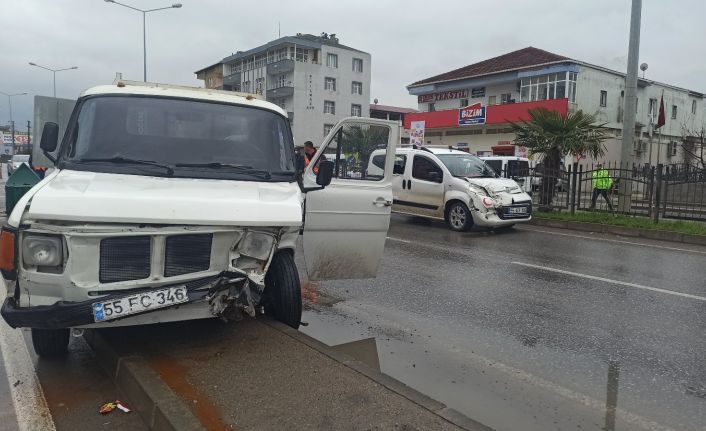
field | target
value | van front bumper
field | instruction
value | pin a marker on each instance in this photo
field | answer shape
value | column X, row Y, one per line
column 68, row 314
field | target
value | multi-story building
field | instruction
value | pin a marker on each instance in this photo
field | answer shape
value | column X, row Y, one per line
column 316, row 79
column 393, row 113
column 212, row 76
column 473, row 105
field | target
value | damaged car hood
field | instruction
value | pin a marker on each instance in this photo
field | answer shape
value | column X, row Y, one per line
column 496, row 185
column 118, row 198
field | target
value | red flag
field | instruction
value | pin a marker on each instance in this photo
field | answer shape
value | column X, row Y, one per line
column 660, row 119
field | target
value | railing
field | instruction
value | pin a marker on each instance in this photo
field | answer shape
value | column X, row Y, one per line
column 672, row 191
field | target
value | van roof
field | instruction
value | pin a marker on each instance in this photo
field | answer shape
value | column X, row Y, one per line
column 433, row 150
column 123, row 87
column 504, row 158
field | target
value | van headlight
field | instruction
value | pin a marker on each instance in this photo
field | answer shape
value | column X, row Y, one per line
column 257, row 245
column 42, row 250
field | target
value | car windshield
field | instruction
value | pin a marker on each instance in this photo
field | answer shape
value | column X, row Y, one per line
column 466, row 165
column 178, row 137
column 20, row 158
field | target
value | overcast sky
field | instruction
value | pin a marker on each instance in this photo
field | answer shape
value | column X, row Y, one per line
column 408, row 39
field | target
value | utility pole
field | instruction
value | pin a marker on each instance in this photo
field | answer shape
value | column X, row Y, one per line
column 29, row 137
column 12, row 122
column 626, row 153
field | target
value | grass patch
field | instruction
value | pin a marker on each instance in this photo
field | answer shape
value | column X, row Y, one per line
column 599, row 217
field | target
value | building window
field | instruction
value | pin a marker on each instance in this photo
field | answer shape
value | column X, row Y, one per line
column 260, row 61
column 210, row 82
column 674, row 112
column 604, row 98
column 332, row 60
column 302, row 55
column 492, row 100
column 357, row 65
column 259, row 83
column 693, row 106
column 329, row 107
column 330, row 84
column 464, row 103
column 505, row 98
column 551, row 86
column 282, row 81
column 357, row 87
column 246, row 86
column 356, row 111
column 432, row 108
column 327, row 129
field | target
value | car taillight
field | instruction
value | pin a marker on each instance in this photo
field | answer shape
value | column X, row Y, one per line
column 7, row 250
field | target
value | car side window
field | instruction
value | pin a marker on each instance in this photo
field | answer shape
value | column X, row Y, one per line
column 351, row 148
column 426, row 170
column 400, row 162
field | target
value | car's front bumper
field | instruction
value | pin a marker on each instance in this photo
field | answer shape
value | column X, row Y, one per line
column 67, row 314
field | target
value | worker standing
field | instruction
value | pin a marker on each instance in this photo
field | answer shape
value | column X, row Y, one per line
column 602, row 182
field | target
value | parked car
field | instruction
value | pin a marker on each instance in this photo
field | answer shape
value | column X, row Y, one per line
column 16, row 161
column 453, row 186
column 516, row 168
column 135, row 227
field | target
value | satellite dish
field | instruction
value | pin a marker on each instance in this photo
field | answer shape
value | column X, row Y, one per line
column 376, row 101
column 643, row 67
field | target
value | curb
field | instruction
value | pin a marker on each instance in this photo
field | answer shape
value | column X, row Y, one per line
column 160, row 408
column 660, row 235
column 450, row 415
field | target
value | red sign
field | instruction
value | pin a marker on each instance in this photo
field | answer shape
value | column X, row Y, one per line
column 444, row 95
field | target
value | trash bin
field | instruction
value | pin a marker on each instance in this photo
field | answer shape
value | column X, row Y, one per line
column 17, row 185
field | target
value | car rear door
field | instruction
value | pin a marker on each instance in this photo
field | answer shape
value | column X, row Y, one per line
column 346, row 223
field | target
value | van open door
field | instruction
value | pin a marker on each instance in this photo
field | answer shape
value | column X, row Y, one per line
column 346, row 223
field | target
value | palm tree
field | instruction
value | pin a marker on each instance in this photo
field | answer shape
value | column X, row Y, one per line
column 551, row 136
column 360, row 141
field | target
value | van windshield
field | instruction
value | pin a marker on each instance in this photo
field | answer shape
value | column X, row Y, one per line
column 155, row 136
column 466, row 165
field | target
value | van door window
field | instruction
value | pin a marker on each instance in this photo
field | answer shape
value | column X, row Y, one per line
column 351, row 148
column 518, row 168
column 497, row 165
column 426, row 170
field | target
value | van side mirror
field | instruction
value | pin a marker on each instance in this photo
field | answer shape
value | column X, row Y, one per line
column 325, row 174
column 50, row 138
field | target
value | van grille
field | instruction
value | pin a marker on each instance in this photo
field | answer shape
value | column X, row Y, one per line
column 187, row 253
column 125, row 258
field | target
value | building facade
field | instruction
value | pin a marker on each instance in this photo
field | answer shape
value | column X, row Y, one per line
column 472, row 106
column 316, row 79
column 212, row 76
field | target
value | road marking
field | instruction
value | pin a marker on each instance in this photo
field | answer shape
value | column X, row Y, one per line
column 663, row 247
column 27, row 396
column 399, row 240
column 608, row 280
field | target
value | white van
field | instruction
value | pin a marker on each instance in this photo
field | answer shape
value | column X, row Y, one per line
column 172, row 203
column 516, row 168
column 454, row 186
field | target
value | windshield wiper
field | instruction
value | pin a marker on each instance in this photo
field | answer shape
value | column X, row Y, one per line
column 217, row 165
column 125, row 160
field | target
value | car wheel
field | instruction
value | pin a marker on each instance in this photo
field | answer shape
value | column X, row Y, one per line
column 459, row 217
column 283, row 294
column 50, row 343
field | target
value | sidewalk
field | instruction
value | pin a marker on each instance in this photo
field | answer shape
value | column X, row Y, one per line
column 258, row 374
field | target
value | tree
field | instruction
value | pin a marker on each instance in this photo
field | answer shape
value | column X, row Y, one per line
column 694, row 145
column 361, row 141
column 551, row 136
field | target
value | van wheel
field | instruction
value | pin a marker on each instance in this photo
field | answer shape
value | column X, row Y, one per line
column 459, row 217
column 283, row 294
column 50, row 343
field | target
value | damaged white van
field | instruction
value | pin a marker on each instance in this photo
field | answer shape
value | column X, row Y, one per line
column 173, row 203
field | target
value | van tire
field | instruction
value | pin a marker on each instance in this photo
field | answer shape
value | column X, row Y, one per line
column 283, row 293
column 50, row 343
column 459, row 217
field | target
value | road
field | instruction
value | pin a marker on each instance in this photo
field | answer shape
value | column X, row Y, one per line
column 534, row 329
column 531, row 329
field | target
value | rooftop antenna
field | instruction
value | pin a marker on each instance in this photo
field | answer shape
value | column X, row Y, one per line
column 279, row 29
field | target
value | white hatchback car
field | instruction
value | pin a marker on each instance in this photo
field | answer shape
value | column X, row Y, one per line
column 454, row 186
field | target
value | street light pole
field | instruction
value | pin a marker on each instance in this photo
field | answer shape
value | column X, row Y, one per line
column 144, row 29
column 12, row 122
column 53, row 71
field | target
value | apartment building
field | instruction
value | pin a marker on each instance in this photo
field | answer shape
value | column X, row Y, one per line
column 316, row 79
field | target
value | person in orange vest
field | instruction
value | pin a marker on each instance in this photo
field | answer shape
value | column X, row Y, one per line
column 309, row 152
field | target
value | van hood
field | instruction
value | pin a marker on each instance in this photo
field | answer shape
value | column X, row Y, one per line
column 496, row 185
column 117, row 198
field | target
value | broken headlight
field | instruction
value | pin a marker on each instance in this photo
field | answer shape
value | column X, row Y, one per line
column 257, row 245
column 42, row 250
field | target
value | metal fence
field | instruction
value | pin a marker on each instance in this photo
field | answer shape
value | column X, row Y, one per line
column 662, row 191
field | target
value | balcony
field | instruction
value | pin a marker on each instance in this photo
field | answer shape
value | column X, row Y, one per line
column 280, row 90
column 233, row 79
column 281, row 66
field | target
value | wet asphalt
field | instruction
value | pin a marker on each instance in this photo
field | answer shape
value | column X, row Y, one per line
column 535, row 328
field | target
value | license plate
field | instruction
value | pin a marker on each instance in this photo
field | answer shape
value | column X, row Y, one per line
column 517, row 210
column 139, row 303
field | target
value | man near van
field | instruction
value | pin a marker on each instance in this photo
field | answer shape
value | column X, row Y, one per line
column 309, row 153
column 602, row 182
